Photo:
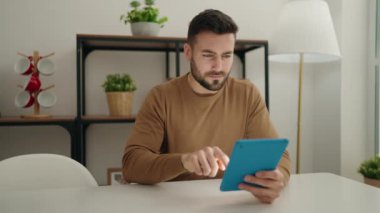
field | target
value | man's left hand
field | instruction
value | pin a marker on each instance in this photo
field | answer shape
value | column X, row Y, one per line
column 272, row 181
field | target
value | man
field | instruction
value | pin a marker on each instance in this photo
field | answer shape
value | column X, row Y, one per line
column 186, row 126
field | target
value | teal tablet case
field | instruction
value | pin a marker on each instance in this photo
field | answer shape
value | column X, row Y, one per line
column 250, row 156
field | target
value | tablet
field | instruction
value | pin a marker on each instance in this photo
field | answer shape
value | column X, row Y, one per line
column 250, row 156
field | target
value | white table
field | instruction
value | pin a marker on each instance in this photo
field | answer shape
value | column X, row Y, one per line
column 306, row 193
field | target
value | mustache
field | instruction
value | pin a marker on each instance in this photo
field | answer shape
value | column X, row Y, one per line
column 215, row 73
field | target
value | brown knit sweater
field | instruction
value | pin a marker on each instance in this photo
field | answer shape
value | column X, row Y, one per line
column 175, row 120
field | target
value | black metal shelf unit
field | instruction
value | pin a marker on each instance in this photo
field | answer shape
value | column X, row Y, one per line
column 87, row 43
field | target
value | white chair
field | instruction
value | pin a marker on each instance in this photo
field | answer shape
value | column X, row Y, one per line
column 43, row 171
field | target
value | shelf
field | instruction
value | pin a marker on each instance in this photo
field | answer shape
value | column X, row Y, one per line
column 107, row 119
column 5, row 121
column 148, row 43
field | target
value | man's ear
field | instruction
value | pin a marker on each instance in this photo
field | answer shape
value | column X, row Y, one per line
column 187, row 51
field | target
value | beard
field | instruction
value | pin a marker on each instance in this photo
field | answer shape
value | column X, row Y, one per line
column 215, row 85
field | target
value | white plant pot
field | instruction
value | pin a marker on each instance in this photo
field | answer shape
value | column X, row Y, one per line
column 145, row 28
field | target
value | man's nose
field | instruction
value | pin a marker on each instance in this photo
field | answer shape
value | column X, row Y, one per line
column 217, row 65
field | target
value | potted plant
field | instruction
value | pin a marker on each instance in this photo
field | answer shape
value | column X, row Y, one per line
column 119, row 90
column 144, row 20
column 370, row 169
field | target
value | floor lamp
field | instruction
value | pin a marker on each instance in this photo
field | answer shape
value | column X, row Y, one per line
column 304, row 34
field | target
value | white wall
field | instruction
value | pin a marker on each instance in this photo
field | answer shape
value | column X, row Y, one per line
column 354, row 102
column 51, row 26
column 326, row 118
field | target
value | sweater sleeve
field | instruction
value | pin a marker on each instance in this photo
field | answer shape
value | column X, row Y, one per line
column 259, row 125
column 143, row 161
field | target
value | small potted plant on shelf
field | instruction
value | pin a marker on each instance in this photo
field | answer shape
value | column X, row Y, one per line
column 370, row 169
column 119, row 89
column 144, row 20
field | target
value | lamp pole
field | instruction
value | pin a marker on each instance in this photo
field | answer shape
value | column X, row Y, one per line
column 299, row 113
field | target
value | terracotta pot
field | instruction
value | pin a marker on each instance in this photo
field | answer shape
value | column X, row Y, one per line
column 120, row 103
column 372, row 182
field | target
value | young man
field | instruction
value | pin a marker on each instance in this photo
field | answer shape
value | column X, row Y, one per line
column 186, row 128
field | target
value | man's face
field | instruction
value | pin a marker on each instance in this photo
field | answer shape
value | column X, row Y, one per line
column 211, row 57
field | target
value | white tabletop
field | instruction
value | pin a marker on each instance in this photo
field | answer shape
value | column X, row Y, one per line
column 306, row 193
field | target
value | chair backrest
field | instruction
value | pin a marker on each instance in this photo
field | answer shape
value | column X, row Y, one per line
column 43, row 171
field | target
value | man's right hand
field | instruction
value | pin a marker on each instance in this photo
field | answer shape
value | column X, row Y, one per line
column 206, row 161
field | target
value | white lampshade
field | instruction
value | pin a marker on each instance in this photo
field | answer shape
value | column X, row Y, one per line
column 304, row 26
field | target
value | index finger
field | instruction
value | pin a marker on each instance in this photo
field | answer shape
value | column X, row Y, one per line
column 220, row 155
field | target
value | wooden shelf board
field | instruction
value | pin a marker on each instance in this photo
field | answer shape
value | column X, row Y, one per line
column 19, row 119
column 107, row 118
column 159, row 43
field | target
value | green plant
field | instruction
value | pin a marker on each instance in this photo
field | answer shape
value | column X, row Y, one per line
column 148, row 13
column 371, row 168
column 119, row 83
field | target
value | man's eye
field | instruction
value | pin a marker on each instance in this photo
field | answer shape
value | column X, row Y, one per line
column 207, row 56
column 227, row 56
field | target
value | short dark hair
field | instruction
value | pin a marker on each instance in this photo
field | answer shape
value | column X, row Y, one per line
column 213, row 21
